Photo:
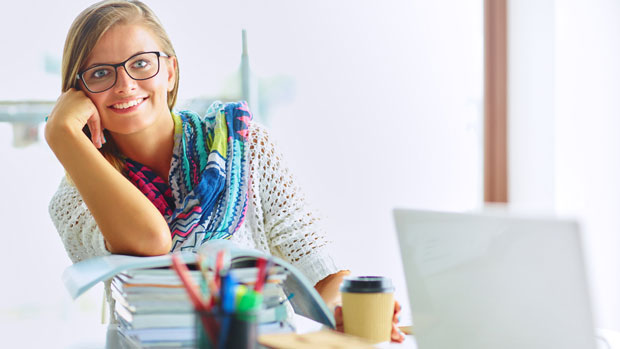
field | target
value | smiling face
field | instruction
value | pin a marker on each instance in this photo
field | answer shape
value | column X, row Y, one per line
column 131, row 106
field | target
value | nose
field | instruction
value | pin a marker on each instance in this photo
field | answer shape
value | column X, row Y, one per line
column 124, row 82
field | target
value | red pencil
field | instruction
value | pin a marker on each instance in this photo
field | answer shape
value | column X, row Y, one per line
column 260, row 278
column 194, row 295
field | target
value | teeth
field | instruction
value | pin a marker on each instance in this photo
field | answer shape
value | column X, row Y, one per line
column 128, row 104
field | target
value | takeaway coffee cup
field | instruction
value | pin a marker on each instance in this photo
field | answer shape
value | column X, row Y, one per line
column 368, row 307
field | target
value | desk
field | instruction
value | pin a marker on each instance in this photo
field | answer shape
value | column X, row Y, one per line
column 305, row 325
column 114, row 340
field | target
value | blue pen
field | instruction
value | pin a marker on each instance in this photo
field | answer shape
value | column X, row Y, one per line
column 227, row 306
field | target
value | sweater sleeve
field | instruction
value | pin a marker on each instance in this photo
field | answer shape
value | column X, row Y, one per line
column 75, row 224
column 292, row 228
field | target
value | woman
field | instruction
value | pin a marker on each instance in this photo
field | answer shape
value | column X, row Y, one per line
column 143, row 180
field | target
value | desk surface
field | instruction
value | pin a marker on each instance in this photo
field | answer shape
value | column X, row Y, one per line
column 304, row 325
column 607, row 339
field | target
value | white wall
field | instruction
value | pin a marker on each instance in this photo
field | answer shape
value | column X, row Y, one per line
column 388, row 112
column 588, row 106
column 531, row 114
column 385, row 108
column 564, row 107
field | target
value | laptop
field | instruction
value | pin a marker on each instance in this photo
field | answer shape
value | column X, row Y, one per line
column 485, row 280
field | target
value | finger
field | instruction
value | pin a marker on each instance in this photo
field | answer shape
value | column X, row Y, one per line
column 338, row 315
column 95, row 132
column 339, row 319
column 397, row 336
column 397, row 310
column 396, row 317
column 97, row 119
column 94, row 125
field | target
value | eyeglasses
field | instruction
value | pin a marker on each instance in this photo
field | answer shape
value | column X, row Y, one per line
column 102, row 77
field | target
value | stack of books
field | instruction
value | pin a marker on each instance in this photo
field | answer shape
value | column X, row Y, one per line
column 153, row 309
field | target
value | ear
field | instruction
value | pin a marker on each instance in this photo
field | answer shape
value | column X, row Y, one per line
column 171, row 66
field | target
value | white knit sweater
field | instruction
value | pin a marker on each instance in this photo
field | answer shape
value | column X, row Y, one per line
column 278, row 220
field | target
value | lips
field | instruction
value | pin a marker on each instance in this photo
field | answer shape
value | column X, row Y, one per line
column 127, row 105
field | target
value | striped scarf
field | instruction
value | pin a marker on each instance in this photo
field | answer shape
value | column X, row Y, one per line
column 207, row 190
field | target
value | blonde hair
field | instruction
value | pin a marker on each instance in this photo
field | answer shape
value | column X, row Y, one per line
column 86, row 30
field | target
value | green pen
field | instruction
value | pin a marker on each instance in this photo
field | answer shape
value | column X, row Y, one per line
column 240, row 291
column 249, row 304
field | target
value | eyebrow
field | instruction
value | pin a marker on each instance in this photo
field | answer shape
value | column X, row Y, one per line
column 97, row 64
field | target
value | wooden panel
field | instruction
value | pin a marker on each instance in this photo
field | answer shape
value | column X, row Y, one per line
column 495, row 97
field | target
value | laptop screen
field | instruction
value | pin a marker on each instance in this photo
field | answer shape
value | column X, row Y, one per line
column 494, row 281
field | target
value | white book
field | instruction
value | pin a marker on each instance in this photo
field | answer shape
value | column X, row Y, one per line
column 154, row 320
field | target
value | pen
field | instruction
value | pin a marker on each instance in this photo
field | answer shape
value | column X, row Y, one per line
column 188, row 283
column 260, row 278
column 219, row 261
column 250, row 301
column 227, row 296
column 213, row 292
column 204, row 279
column 268, row 269
column 290, row 296
column 227, row 293
column 210, row 281
column 240, row 291
column 194, row 295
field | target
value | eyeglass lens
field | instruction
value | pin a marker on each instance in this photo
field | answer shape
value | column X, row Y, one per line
column 140, row 67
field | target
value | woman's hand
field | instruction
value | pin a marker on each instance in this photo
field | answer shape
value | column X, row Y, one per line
column 397, row 336
column 329, row 288
column 128, row 220
column 72, row 111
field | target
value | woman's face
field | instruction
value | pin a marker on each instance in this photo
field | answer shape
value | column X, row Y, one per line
column 131, row 106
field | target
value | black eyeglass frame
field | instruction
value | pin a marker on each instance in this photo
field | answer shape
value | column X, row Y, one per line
column 80, row 75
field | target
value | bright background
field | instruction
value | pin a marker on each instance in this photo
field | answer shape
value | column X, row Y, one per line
column 374, row 104
column 564, row 83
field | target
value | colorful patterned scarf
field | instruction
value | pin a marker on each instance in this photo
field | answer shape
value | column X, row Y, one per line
column 207, row 190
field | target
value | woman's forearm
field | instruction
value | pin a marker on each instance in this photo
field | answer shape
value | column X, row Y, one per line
column 129, row 222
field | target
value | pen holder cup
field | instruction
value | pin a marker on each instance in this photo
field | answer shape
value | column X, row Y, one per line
column 219, row 330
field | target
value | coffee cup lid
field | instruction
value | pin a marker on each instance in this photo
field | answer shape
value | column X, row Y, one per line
column 366, row 284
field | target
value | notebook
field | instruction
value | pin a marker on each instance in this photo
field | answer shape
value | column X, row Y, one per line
column 485, row 280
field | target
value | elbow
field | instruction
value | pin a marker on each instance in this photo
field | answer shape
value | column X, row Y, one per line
column 144, row 245
column 155, row 239
column 165, row 245
column 157, row 244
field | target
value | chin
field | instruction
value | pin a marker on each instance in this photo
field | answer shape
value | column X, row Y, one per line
column 129, row 126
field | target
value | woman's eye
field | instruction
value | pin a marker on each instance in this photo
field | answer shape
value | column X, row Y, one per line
column 140, row 64
column 99, row 73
